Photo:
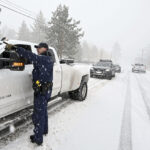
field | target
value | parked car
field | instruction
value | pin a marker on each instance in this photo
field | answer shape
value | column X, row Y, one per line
column 117, row 68
column 139, row 68
column 103, row 69
column 16, row 79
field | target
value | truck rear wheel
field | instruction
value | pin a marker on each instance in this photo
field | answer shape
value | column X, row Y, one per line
column 81, row 93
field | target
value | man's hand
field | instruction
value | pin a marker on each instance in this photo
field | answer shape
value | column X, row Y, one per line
column 10, row 47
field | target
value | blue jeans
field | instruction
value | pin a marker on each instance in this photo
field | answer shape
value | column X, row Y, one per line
column 40, row 116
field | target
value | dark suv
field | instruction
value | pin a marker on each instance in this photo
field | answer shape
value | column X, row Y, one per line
column 103, row 69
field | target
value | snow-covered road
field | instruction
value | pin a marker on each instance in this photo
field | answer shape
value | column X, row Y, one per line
column 115, row 116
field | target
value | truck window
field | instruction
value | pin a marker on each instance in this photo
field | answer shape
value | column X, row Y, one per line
column 28, row 48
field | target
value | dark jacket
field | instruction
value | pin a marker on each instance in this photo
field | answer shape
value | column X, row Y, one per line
column 43, row 65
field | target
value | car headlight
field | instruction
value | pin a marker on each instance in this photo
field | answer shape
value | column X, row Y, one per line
column 107, row 69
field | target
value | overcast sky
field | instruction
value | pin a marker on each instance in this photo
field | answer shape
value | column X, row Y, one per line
column 104, row 21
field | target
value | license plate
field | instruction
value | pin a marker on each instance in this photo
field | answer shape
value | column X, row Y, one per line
column 98, row 72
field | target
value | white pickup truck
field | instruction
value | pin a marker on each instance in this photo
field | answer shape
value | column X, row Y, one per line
column 16, row 86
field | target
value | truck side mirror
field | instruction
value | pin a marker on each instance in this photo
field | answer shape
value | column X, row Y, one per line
column 17, row 66
column 11, row 60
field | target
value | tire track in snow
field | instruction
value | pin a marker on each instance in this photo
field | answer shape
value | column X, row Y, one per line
column 126, row 131
column 97, row 84
column 144, row 97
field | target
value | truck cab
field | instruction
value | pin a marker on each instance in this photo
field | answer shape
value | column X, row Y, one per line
column 16, row 91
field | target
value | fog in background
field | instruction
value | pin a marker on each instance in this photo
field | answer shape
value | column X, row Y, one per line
column 104, row 22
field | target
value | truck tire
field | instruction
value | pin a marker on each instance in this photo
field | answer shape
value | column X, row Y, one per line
column 81, row 93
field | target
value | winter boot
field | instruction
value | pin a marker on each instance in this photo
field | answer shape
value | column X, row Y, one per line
column 32, row 139
column 45, row 133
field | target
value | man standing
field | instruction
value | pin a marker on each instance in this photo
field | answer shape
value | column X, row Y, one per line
column 42, row 85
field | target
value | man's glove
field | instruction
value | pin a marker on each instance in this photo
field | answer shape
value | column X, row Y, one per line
column 10, row 47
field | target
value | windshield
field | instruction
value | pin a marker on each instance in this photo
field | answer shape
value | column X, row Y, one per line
column 139, row 65
column 104, row 64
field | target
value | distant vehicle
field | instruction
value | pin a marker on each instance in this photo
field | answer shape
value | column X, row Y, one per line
column 103, row 69
column 139, row 68
column 117, row 68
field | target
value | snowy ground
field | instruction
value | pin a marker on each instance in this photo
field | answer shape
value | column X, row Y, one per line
column 115, row 116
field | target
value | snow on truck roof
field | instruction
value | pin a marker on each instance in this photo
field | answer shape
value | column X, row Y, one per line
column 23, row 43
column 20, row 42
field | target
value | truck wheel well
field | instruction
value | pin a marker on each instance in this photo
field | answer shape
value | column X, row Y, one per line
column 85, row 78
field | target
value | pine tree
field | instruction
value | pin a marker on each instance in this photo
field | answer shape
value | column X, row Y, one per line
column 9, row 33
column 24, row 32
column 86, row 51
column 63, row 32
column 95, row 53
column 38, row 29
column 116, row 52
